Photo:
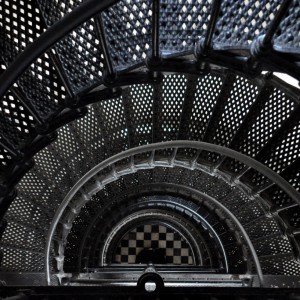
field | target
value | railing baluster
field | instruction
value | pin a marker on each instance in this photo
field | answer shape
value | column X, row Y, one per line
column 212, row 24
column 263, row 188
column 155, row 30
column 263, row 43
column 205, row 43
column 276, row 22
column 194, row 160
column 285, row 207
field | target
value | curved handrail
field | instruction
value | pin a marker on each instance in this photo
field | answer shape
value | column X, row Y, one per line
column 52, row 35
column 273, row 176
column 239, row 226
column 82, row 13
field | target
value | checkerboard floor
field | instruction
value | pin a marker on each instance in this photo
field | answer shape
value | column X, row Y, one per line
column 153, row 240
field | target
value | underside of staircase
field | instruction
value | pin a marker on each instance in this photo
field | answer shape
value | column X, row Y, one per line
column 149, row 148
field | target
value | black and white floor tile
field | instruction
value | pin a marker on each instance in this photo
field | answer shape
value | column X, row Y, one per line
column 156, row 243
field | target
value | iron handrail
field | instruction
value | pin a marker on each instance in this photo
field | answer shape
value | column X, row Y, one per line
column 273, row 176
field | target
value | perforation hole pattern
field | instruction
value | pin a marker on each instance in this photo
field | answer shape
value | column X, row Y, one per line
column 208, row 89
column 262, row 227
column 171, row 106
column 11, row 108
column 232, row 166
column 5, row 158
column 280, row 265
column 255, row 225
column 17, row 235
column 293, row 176
column 19, row 260
column 253, row 178
column 128, row 30
column 208, row 158
column 272, row 246
column 181, row 24
column 16, row 127
column 117, row 194
column 286, row 151
column 277, row 109
column 80, row 52
column 23, row 249
column 283, row 151
column 11, row 133
column 234, row 199
column 293, row 216
column 113, row 122
column 115, row 125
column 242, row 21
column 53, row 10
column 21, row 24
column 237, row 106
column 276, row 196
column 36, row 190
column 29, row 213
column 42, row 87
column 92, row 140
column 49, row 164
column 81, row 57
column 288, row 34
column 247, row 219
column 140, row 106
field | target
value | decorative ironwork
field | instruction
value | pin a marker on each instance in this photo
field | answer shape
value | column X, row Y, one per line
column 188, row 74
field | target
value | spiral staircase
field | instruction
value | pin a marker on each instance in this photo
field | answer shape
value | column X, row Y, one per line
column 149, row 148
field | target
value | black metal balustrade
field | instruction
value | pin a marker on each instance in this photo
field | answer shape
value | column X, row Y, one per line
column 113, row 110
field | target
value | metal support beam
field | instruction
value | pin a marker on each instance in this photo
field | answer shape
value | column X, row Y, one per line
column 211, row 25
column 155, row 30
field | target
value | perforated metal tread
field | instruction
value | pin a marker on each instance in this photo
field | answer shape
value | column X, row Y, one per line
column 80, row 146
column 254, row 116
column 81, row 66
